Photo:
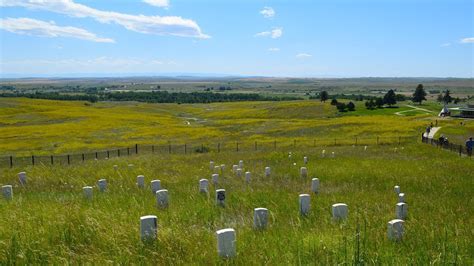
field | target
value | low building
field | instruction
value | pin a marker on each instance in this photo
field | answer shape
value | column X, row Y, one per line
column 467, row 112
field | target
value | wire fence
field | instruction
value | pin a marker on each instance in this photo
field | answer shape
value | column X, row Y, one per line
column 195, row 148
column 460, row 149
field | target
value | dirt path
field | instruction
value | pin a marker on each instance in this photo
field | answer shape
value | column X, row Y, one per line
column 432, row 132
column 414, row 109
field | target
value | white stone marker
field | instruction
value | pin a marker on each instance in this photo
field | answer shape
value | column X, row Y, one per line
column 260, row 218
column 239, row 172
column 7, row 192
column 204, row 186
column 339, row 211
column 155, row 186
column 162, row 198
column 323, row 153
column 211, row 165
column 315, row 185
column 148, row 227
column 222, row 167
column 401, row 197
column 22, row 177
column 226, row 243
column 396, row 189
column 234, row 168
column 215, row 179
column 102, row 184
column 305, row 160
column 333, row 154
column 248, row 177
column 88, row 192
column 395, row 229
column 115, row 167
column 365, row 148
column 217, row 169
column 141, row 181
column 305, row 201
column 304, row 172
column 130, row 166
column 267, row 171
column 241, row 164
column 220, row 197
column 401, row 210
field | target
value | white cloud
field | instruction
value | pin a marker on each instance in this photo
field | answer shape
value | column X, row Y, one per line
column 168, row 25
column 303, row 55
column 158, row 3
column 468, row 40
column 274, row 34
column 268, row 12
column 273, row 49
column 446, row 44
column 41, row 28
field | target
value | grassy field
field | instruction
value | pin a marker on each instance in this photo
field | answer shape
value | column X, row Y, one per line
column 43, row 127
column 49, row 222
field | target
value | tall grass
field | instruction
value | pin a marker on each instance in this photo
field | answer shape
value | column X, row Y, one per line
column 49, row 222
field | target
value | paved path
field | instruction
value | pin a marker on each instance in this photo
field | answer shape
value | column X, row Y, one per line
column 414, row 109
column 432, row 132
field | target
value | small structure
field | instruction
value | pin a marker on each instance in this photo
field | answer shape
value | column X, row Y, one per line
column 315, row 185
column 304, row 201
column 204, row 186
column 467, row 112
column 260, row 218
column 162, row 198
column 148, row 227
column 444, row 112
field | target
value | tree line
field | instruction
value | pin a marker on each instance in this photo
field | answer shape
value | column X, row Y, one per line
column 153, row 97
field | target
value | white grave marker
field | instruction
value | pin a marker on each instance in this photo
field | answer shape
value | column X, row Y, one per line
column 305, row 201
column 88, row 192
column 248, row 177
column 226, row 243
column 234, row 168
column 304, row 172
column 222, row 167
column 365, row 148
column 22, row 177
column 162, row 198
column 7, row 192
column 401, row 197
column 102, row 184
column 267, row 171
column 333, row 154
column 130, row 166
column 217, row 169
column 315, row 185
column 215, row 179
column 220, row 197
column 141, row 181
column 305, row 160
column 115, row 167
column 339, row 211
column 241, row 164
column 239, row 172
column 204, row 186
column 211, row 165
column 395, row 229
column 155, row 186
column 260, row 218
column 148, row 227
column 396, row 189
column 401, row 210
column 323, row 153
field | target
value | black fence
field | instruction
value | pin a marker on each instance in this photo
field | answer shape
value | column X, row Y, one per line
column 195, row 148
column 460, row 149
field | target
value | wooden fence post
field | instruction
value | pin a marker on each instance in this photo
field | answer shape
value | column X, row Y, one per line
column 128, row 151
column 108, row 154
column 356, row 141
column 185, row 148
column 118, row 152
column 96, row 155
column 52, row 160
column 136, row 148
column 399, row 140
column 460, row 150
column 377, row 140
column 219, row 147
column 83, row 157
column 237, row 144
column 33, row 159
column 11, row 161
column 169, row 148
column 68, row 159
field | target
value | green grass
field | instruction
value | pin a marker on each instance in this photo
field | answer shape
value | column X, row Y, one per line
column 48, row 221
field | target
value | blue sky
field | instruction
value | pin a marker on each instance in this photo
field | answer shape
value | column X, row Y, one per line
column 331, row 38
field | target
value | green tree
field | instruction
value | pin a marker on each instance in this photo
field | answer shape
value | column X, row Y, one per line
column 334, row 101
column 379, row 102
column 447, row 97
column 440, row 98
column 341, row 107
column 370, row 104
column 390, row 98
column 419, row 94
column 351, row 106
column 324, row 96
